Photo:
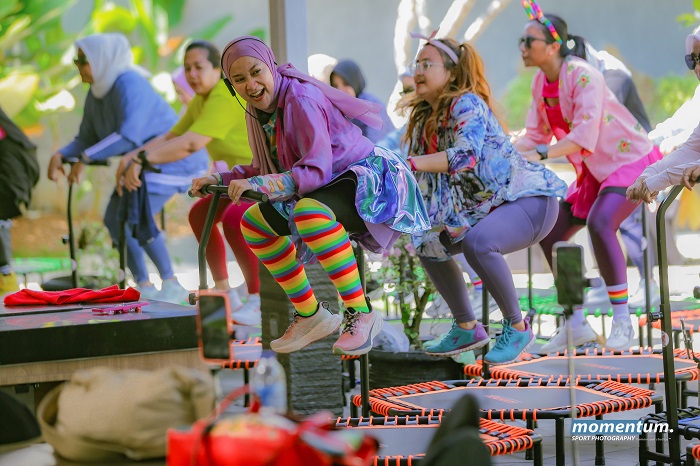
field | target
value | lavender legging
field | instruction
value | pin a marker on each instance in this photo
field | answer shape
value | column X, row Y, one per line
column 607, row 213
column 511, row 227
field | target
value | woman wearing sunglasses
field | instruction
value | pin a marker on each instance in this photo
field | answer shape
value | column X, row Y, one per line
column 484, row 199
column 608, row 149
column 122, row 112
column 681, row 166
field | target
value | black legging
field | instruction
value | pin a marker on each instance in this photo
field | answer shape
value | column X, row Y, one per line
column 338, row 196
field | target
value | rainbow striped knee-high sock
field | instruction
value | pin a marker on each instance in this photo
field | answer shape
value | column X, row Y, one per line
column 278, row 254
column 328, row 239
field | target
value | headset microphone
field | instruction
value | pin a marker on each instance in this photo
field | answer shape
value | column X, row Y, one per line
column 233, row 93
column 230, row 87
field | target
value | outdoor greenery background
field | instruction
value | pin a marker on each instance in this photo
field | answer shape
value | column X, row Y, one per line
column 39, row 86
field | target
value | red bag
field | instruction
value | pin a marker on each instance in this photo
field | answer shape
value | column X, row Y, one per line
column 253, row 440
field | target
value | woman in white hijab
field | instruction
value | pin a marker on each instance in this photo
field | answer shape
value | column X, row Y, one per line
column 122, row 112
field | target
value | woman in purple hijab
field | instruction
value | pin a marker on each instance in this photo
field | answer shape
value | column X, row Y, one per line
column 327, row 184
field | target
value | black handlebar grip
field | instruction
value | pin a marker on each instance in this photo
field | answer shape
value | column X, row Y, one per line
column 248, row 195
column 74, row 160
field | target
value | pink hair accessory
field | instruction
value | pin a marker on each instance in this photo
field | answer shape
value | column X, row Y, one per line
column 534, row 12
column 436, row 43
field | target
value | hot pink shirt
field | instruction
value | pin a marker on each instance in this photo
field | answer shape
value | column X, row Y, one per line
column 608, row 133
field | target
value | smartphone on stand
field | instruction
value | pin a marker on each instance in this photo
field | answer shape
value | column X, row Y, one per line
column 568, row 273
column 214, row 325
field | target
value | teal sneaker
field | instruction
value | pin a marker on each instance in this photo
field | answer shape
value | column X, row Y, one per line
column 510, row 344
column 434, row 341
column 458, row 340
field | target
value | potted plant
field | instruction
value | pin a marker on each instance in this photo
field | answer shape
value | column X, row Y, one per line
column 402, row 276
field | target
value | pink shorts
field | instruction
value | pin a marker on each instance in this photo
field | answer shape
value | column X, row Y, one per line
column 585, row 190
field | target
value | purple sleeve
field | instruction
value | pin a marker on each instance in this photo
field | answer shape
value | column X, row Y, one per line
column 307, row 136
column 239, row 172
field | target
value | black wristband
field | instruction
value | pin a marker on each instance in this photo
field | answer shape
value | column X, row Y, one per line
column 543, row 150
column 143, row 160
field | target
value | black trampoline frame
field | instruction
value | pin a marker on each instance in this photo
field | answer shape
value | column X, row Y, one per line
column 509, row 439
column 688, row 432
column 692, row 453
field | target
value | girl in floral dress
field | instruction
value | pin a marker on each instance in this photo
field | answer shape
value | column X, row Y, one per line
column 606, row 145
column 483, row 198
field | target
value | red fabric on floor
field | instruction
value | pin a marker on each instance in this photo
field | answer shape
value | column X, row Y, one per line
column 111, row 294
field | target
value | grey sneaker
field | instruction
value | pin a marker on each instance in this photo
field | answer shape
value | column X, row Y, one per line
column 172, row 292
column 148, row 292
column 305, row 330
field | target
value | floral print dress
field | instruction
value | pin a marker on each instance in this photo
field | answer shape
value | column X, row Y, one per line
column 484, row 171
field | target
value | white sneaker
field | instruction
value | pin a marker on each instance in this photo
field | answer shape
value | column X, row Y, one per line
column 234, row 299
column 305, row 330
column 638, row 299
column 172, row 292
column 621, row 335
column 249, row 313
column 242, row 290
column 580, row 335
column 597, row 296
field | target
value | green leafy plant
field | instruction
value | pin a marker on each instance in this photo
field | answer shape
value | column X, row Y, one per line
column 36, row 69
column 149, row 24
column 516, row 100
column 34, row 65
column 402, row 275
column 669, row 93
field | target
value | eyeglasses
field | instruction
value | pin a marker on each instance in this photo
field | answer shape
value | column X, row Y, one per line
column 691, row 60
column 406, row 90
column 80, row 60
column 528, row 40
column 422, row 67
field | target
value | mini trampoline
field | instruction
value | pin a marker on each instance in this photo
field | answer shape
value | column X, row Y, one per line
column 246, row 354
column 595, row 364
column 526, row 399
column 40, row 265
column 404, row 440
column 688, row 427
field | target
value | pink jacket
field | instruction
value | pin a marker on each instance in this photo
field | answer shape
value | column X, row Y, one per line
column 608, row 133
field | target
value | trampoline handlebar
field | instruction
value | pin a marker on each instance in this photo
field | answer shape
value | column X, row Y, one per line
column 74, row 160
column 248, row 195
